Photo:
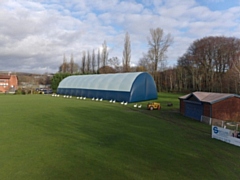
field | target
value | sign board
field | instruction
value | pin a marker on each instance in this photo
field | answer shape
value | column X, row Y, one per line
column 226, row 135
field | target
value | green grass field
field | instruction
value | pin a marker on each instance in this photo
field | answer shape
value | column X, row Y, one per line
column 44, row 137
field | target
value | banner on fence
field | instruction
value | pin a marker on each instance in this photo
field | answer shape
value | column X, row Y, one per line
column 226, row 135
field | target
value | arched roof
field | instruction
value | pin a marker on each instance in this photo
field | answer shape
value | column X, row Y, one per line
column 112, row 82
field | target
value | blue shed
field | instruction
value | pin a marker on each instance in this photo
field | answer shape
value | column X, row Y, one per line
column 127, row 87
column 222, row 106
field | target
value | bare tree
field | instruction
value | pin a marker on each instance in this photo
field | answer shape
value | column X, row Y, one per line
column 235, row 71
column 88, row 62
column 71, row 64
column 126, row 53
column 68, row 67
column 146, row 63
column 158, row 46
column 64, row 66
column 83, row 68
column 98, row 60
column 115, row 63
column 104, row 56
column 93, row 61
column 207, row 60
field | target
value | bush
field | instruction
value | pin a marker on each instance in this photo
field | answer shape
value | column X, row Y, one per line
column 21, row 91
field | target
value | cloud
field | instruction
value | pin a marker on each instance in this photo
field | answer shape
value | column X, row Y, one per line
column 35, row 35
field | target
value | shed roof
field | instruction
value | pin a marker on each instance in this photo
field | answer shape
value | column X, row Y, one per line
column 5, row 77
column 114, row 82
column 209, row 97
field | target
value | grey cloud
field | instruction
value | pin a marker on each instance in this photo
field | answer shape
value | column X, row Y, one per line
column 35, row 35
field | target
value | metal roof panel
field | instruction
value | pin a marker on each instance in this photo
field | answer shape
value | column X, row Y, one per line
column 209, row 97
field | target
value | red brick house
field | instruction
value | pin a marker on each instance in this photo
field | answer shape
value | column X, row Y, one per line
column 8, row 83
column 215, row 105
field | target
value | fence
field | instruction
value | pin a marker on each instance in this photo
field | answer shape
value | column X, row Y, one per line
column 220, row 123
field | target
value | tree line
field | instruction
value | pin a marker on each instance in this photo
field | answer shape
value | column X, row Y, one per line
column 99, row 62
column 209, row 64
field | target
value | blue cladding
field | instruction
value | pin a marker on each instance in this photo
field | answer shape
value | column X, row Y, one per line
column 142, row 87
column 193, row 110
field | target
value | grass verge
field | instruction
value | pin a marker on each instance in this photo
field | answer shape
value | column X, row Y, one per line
column 44, row 137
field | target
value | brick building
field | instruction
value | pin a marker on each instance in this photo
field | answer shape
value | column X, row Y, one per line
column 215, row 105
column 8, row 83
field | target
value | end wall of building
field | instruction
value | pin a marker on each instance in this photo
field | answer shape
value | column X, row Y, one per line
column 228, row 109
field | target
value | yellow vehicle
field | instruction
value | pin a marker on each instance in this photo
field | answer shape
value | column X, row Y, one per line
column 153, row 105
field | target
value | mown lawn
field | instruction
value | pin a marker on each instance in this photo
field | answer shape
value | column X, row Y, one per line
column 44, row 137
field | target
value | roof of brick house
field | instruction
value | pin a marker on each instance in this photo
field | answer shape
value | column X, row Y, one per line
column 5, row 77
column 209, row 97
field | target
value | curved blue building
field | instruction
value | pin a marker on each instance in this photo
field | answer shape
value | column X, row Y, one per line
column 127, row 87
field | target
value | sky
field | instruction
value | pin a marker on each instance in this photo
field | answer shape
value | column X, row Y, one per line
column 35, row 35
